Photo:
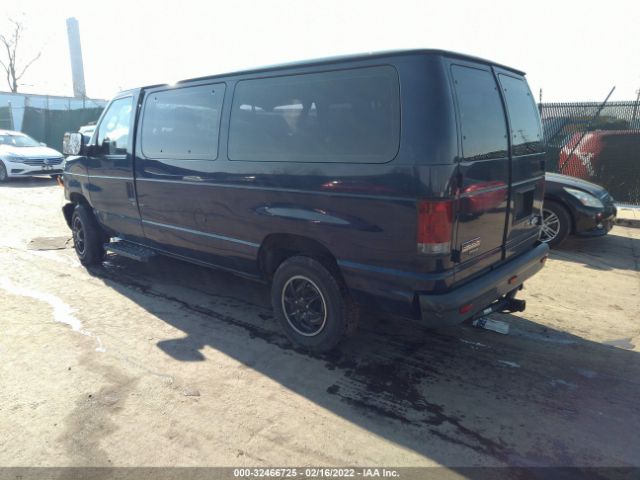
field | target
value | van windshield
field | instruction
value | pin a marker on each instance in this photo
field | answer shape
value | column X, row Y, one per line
column 18, row 140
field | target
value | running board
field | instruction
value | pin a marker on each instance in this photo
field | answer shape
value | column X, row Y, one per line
column 130, row 250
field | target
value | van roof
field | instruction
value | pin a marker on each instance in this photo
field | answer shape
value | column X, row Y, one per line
column 349, row 58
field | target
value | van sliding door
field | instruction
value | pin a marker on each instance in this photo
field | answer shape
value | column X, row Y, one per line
column 177, row 168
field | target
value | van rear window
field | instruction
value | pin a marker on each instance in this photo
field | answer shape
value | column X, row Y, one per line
column 182, row 123
column 339, row 116
column 484, row 128
column 523, row 115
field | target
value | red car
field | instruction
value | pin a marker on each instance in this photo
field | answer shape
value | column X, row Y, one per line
column 610, row 158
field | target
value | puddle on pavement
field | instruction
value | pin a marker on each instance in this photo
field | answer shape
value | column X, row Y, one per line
column 50, row 243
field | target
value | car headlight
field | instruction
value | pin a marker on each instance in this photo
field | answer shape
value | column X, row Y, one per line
column 584, row 198
column 10, row 157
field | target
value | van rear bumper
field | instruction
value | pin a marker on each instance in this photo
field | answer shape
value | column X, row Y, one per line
column 441, row 310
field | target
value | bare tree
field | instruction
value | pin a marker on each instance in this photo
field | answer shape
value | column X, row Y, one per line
column 10, row 43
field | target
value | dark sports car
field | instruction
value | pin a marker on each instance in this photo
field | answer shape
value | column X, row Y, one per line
column 575, row 207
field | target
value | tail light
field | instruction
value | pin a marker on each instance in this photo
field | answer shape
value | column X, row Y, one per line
column 435, row 226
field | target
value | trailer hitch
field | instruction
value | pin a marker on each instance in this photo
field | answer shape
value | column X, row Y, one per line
column 514, row 305
column 506, row 304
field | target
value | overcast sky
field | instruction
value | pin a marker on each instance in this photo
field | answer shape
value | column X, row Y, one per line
column 572, row 50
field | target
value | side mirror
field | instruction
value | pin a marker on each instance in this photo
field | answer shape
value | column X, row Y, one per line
column 73, row 143
column 42, row 144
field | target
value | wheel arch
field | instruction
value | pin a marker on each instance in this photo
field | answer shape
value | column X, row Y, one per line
column 277, row 247
column 4, row 165
column 75, row 199
column 563, row 204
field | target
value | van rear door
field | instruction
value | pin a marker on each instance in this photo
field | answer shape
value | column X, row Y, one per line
column 527, row 164
column 482, row 206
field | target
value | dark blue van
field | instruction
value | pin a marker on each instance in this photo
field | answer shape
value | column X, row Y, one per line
column 410, row 183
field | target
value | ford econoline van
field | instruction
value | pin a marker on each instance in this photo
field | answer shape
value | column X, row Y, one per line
column 409, row 183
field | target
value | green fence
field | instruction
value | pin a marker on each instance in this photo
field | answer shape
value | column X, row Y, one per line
column 6, row 119
column 49, row 126
column 46, row 118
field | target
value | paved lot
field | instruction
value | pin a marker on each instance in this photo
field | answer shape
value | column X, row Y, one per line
column 172, row 364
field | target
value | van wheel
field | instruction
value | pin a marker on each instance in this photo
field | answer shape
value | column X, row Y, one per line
column 556, row 223
column 313, row 308
column 88, row 237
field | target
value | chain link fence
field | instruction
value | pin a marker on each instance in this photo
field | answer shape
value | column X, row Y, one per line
column 596, row 142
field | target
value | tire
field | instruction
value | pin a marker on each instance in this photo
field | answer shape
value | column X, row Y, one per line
column 88, row 237
column 4, row 176
column 311, row 304
column 556, row 223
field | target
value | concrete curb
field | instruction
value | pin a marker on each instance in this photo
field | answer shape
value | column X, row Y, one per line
column 628, row 215
column 628, row 222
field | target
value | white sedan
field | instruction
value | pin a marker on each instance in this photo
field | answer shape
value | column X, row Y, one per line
column 22, row 156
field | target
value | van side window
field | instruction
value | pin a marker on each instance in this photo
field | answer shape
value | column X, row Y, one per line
column 484, row 129
column 341, row 116
column 182, row 123
column 113, row 132
column 523, row 116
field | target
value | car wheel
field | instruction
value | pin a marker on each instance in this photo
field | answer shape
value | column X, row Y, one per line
column 3, row 173
column 311, row 304
column 88, row 238
column 556, row 223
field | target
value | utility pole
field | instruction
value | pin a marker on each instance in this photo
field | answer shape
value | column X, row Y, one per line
column 540, row 103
